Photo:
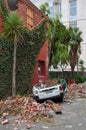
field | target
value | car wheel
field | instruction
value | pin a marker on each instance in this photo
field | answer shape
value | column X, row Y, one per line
column 61, row 98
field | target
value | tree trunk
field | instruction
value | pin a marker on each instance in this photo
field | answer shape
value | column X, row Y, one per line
column 14, row 72
column 72, row 71
column 73, row 59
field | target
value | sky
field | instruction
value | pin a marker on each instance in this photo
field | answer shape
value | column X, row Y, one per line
column 38, row 2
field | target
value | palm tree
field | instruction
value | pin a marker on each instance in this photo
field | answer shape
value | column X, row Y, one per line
column 74, row 46
column 12, row 31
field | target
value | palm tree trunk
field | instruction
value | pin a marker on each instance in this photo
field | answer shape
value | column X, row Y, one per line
column 14, row 72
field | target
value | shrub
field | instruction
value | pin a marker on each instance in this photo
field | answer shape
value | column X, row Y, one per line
column 79, row 79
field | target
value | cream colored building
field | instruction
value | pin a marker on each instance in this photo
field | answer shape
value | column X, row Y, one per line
column 73, row 13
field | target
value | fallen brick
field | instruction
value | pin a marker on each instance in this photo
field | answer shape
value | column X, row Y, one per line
column 5, row 115
column 28, row 125
column 28, row 109
column 55, row 107
column 4, row 122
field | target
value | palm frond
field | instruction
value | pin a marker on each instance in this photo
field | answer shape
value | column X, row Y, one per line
column 13, row 26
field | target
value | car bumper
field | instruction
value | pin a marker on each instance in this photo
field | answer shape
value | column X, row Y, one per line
column 48, row 97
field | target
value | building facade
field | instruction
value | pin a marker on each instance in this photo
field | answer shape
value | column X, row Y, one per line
column 32, row 17
column 73, row 14
column 30, row 13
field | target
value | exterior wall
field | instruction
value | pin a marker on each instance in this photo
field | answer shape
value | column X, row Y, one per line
column 65, row 16
column 23, row 5
column 41, row 67
column 32, row 17
column 81, row 22
column 22, row 9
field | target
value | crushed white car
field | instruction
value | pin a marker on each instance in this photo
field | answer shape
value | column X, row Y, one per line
column 43, row 92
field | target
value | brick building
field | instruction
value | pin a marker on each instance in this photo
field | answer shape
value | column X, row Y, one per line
column 32, row 17
column 31, row 14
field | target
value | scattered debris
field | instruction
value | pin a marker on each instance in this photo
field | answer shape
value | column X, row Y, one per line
column 75, row 90
column 28, row 125
column 5, row 115
column 5, row 122
column 28, row 109
column 55, row 107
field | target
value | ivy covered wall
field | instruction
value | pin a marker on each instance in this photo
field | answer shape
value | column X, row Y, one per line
column 26, row 60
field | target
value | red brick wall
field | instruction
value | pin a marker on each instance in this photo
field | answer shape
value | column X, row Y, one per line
column 37, row 18
column 22, row 11
column 22, row 8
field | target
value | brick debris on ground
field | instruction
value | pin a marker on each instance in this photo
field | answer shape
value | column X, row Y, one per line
column 28, row 109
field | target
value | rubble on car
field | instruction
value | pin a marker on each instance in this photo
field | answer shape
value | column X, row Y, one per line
column 44, row 90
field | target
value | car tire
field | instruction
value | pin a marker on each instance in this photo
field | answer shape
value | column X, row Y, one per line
column 61, row 98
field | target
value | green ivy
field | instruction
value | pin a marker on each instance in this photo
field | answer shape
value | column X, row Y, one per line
column 3, row 10
column 5, row 68
column 26, row 60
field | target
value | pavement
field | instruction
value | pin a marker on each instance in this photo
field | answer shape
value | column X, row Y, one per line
column 83, row 84
column 73, row 117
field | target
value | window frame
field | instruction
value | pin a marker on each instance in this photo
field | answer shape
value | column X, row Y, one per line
column 72, row 7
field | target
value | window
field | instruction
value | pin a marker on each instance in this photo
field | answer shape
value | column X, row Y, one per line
column 29, row 18
column 51, row 12
column 73, row 10
column 59, row 9
column 51, row 8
